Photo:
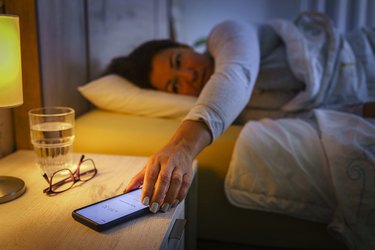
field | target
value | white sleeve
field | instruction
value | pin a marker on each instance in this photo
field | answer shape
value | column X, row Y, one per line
column 235, row 49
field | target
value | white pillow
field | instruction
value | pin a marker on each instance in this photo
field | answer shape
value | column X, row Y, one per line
column 115, row 93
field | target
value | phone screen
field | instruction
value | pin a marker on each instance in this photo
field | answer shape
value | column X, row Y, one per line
column 114, row 208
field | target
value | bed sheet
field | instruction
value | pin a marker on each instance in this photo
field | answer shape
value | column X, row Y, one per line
column 323, row 173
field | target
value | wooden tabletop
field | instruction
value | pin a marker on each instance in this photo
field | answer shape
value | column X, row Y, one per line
column 37, row 221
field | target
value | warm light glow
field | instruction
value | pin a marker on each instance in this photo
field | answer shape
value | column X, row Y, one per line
column 10, row 62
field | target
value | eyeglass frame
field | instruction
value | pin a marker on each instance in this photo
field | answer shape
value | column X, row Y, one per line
column 74, row 176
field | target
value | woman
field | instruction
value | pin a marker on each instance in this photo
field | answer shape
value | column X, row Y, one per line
column 224, row 78
column 177, row 68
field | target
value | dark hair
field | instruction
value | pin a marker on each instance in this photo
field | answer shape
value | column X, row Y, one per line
column 136, row 67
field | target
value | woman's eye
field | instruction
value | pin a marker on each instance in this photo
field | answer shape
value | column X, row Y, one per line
column 178, row 61
column 175, row 87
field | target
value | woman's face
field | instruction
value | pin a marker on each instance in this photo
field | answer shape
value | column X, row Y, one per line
column 181, row 70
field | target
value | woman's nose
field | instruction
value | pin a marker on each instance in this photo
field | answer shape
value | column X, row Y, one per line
column 189, row 75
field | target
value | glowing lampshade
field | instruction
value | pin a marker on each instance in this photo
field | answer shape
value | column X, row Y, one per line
column 10, row 90
column 10, row 62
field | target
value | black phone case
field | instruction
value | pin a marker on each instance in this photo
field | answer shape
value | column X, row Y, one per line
column 101, row 227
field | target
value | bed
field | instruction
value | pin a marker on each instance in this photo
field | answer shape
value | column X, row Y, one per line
column 282, row 183
column 217, row 219
column 144, row 129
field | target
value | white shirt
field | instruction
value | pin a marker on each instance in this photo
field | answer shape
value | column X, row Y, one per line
column 236, row 52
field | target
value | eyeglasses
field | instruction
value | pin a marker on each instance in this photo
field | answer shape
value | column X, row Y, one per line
column 64, row 179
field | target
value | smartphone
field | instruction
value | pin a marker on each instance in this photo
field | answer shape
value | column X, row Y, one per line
column 108, row 213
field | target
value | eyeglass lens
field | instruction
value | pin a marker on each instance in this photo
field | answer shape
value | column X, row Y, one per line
column 62, row 180
column 87, row 170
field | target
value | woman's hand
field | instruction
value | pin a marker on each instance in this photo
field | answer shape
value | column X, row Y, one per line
column 166, row 177
column 168, row 174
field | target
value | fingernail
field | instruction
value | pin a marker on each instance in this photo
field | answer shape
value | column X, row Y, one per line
column 175, row 204
column 165, row 207
column 154, row 207
column 146, row 201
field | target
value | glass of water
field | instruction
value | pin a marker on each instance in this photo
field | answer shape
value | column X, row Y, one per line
column 52, row 136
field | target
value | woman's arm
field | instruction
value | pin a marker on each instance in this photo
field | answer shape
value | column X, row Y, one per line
column 167, row 175
column 236, row 51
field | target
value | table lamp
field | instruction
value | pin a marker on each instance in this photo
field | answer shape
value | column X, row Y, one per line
column 10, row 90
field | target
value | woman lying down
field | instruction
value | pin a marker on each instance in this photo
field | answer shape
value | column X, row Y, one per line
column 278, row 69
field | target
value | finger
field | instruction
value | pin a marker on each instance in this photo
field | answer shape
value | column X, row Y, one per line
column 174, row 188
column 136, row 181
column 151, row 175
column 161, row 188
column 185, row 185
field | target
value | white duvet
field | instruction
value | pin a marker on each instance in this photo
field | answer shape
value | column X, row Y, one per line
column 323, row 172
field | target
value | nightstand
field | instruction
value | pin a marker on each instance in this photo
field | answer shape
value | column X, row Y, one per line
column 37, row 221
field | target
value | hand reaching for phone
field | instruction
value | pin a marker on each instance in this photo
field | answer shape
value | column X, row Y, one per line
column 168, row 174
